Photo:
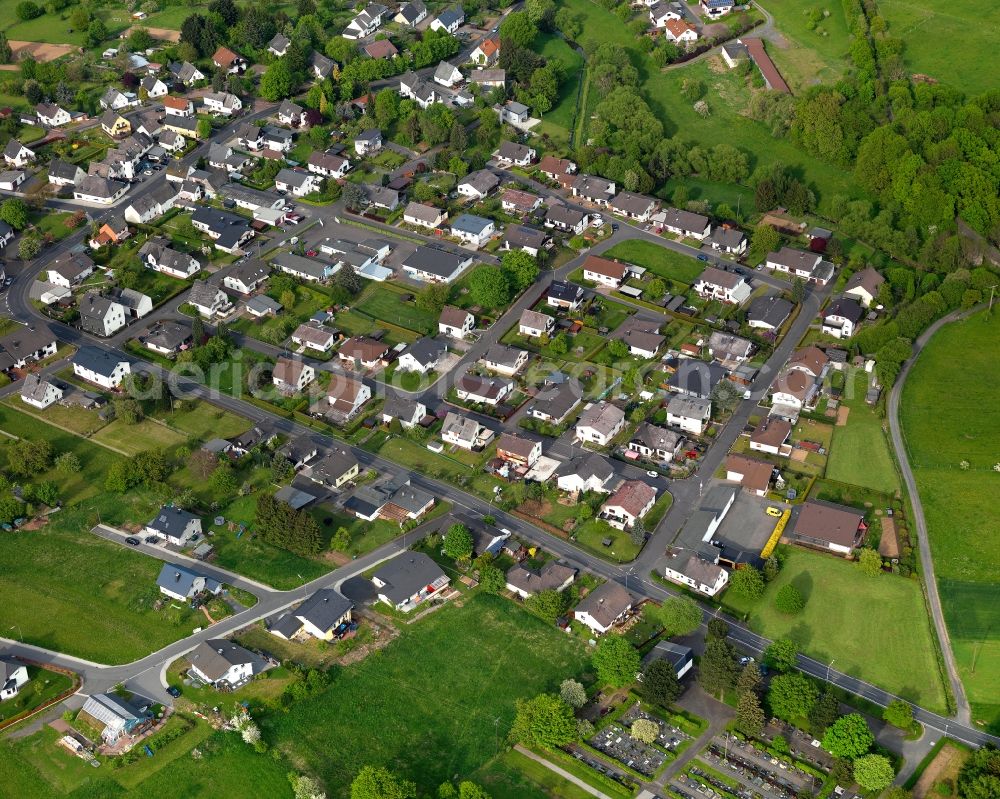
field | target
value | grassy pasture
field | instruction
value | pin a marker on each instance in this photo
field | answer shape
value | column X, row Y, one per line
column 662, row 262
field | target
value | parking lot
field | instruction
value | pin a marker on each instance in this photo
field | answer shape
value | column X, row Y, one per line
column 747, row 527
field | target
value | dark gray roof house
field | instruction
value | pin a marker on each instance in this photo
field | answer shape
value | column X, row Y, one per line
column 769, row 311
column 172, row 522
column 324, row 609
column 407, row 575
column 182, row 581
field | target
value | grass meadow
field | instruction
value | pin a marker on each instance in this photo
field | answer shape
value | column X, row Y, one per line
column 813, row 56
column 875, row 628
column 662, row 262
column 949, row 415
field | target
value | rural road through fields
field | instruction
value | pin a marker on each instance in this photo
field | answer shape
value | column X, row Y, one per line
column 964, row 712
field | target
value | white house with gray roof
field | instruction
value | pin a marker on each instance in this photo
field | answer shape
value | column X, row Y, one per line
column 174, row 525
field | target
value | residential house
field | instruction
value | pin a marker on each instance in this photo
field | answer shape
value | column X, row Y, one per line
column 178, row 107
column 115, row 717
column 186, row 73
column 320, row 66
column 729, row 350
column 661, row 13
column 585, row 473
column 449, row 20
column 328, row 165
column 486, row 53
column 411, row 14
column 168, row 337
column 828, row 526
column 51, row 115
column 593, row 189
column 641, row 335
column 811, row 360
column 221, row 103
column 628, row 504
column 566, row 219
column 335, row 469
column 226, row 59
column 181, row 583
column 95, row 189
column 841, row 317
column 278, row 45
column 690, row 414
column 115, row 100
column 434, row 265
column 603, row 607
column 70, row 270
column 13, row 676
column 208, row 299
column 247, row 277
column 483, row 390
column 25, row 346
column 313, row 337
column 489, row 78
column 114, row 230
column 63, row 173
column 345, row 396
column 465, row 432
column 456, row 322
column 408, row 580
column 753, row 474
column 680, row 657
column 519, row 451
column 724, row 286
column 555, row 168
column 447, row 74
column 228, row 231
column 733, row 53
column 39, row 392
column 17, row 155
column 771, row 436
column 555, row 403
column 553, row 576
column 365, row 23
column 291, row 375
column 323, row 613
column 101, row 316
column 367, row 142
column 534, row 324
column 175, row 526
column 157, row 255
column 677, row 30
column 728, row 240
column 605, row 272
column 290, row 113
column 362, row 352
column 792, row 390
column 599, row 423
column 223, row 664
column 768, row 312
column 704, row 576
column 473, row 230
column 424, row 215
column 422, row 356
column 297, row 182
column 806, row 265
column 526, row 239
column 636, row 207
column 504, row 359
column 656, row 443
column 696, row 378
column 521, row 203
column 380, row 49
column 155, row 88
column 6, row 237
column 136, row 304
column 261, row 305
column 687, row 224
column 716, row 8
column 298, row 452
column 407, row 411
column 514, row 154
column 100, row 367
column 478, row 184
column 864, row 286
column 11, row 179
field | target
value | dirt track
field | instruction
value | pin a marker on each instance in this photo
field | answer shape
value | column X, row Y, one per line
column 163, row 34
column 40, row 51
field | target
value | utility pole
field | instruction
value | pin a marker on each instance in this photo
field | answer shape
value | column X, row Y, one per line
column 990, row 309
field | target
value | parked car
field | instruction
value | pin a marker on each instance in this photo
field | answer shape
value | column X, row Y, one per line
column 702, row 257
column 132, row 541
column 773, row 511
column 174, row 691
column 152, row 539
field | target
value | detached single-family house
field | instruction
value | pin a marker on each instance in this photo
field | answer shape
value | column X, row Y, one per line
column 422, row 356
column 328, row 165
column 753, row 474
column 63, row 173
column 178, row 107
column 486, row 53
column 447, row 74
column 661, row 13
column 298, row 183
column 17, row 155
column 521, row 203
column 434, row 265
column 555, row 403
column 504, row 359
column 828, row 526
column 411, row 14
column 465, row 432
column 313, row 337
column 115, row 100
column 841, row 317
column 489, row 78
column 10, row 179
column 687, row 224
column 100, row 367
column 52, row 115
column 449, row 20
column 704, row 576
column 223, row 664
column 552, row 576
column 100, row 315
column 156, row 254
column 526, row 239
column 320, row 66
column 603, row 607
column 226, row 59
column 168, row 337
column 456, row 322
column 864, row 286
column 690, row 414
column 323, row 613
column 380, row 49
column 247, row 277
column 186, row 73
column 278, row 45
column 181, row 583
column 771, row 436
column 556, row 168
column 478, row 184
column 335, row 469
column 345, row 396
column 424, row 215
column 793, row 389
column 291, row 114
column 221, row 103
column 724, row 286
column 768, row 312
column 361, row 352
column 636, row 207
column 291, row 375
column 367, row 142
column 593, row 189
column 154, row 87
column 228, row 231
column 605, row 272
column 521, row 452
column 408, row 580
column 728, row 240
column 677, row 30
column 807, row 265
column 716, row 8
column 811, row 360
column 566, row 219
column 13, row 675
column 513, row 113
column 599, row 423
column 641, row 335
column 208, row 299
column 513, row 153
column 474, row 230
column 628, row 504
column 728, row 349
column 70, row 270
column 365, row 23
column 96, row 189
column 656, row 443
column 407, row 411
column 585, row 473
column 534, row 324
column 482, row 390
column 174, row 525
column 38, row 392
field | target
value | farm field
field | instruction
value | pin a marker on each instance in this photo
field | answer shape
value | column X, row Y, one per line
column 945, row 41
column 876, row 628
column 946, row 419
column 438, row 721
column 68, row 590
column 810, row 57
column 662, row 262
column 860, row 454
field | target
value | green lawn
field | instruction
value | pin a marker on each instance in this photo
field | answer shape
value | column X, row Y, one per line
column 811, row 56
column 659, row 260
column 946, row 419
column 43, row 686
column 937, row 35
column 860, row 453
column 55, row 28
column 514, row 776
column 134, row 438
column 876, row 628
column 385, row 304
column 78, row 420
column 562, row 115
column 451, row 694
column 203, row 420
column 71, row 591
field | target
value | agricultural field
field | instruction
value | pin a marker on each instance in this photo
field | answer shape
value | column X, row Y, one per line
column 946, row 41
column 861, row 453
column 951, row 434
column 438, row 669
column 876, row 628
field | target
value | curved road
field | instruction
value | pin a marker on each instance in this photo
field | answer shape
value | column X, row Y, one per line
column 964, row 713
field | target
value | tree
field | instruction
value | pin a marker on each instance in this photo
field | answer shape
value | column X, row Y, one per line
column 128, row 410
column 548, row 605
column 5, row 51
column 679, row 615
column 747, row 582
column 28, row 10
column 10, row 509
column 341, row 540
column 781, row 655
column 204, row 128
column 765, row 239
column 848, row 737
column 717, row 671
column 617, row 349
column 306, row 787
column 386, row 107
column 798, row 291
column 899, row 714
column 660, row 684
column 870, row 562
column 520, row 269
column 750, row 717
column 573, row 693
column 278, row 81
column 518, row 29
column 645, row 730
column 458, row 542
column 223, row 481
column 791, row 696
column 26, row 458
column 546, row 720
column 823, row 713
column 379, row 783
column 616, row 660
column 979, row 777
column 97, row 32
column 15, row 213
column 489, row 287
column 202, row 463
column 560, row 345
column 67, row 463
column 492, row 579
column 772, row 567
column 718, row 628
column 875, row 773
column 750, row 679
column 433, row 297
column 789, row 600
column 354, row 195
column 656, row 288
